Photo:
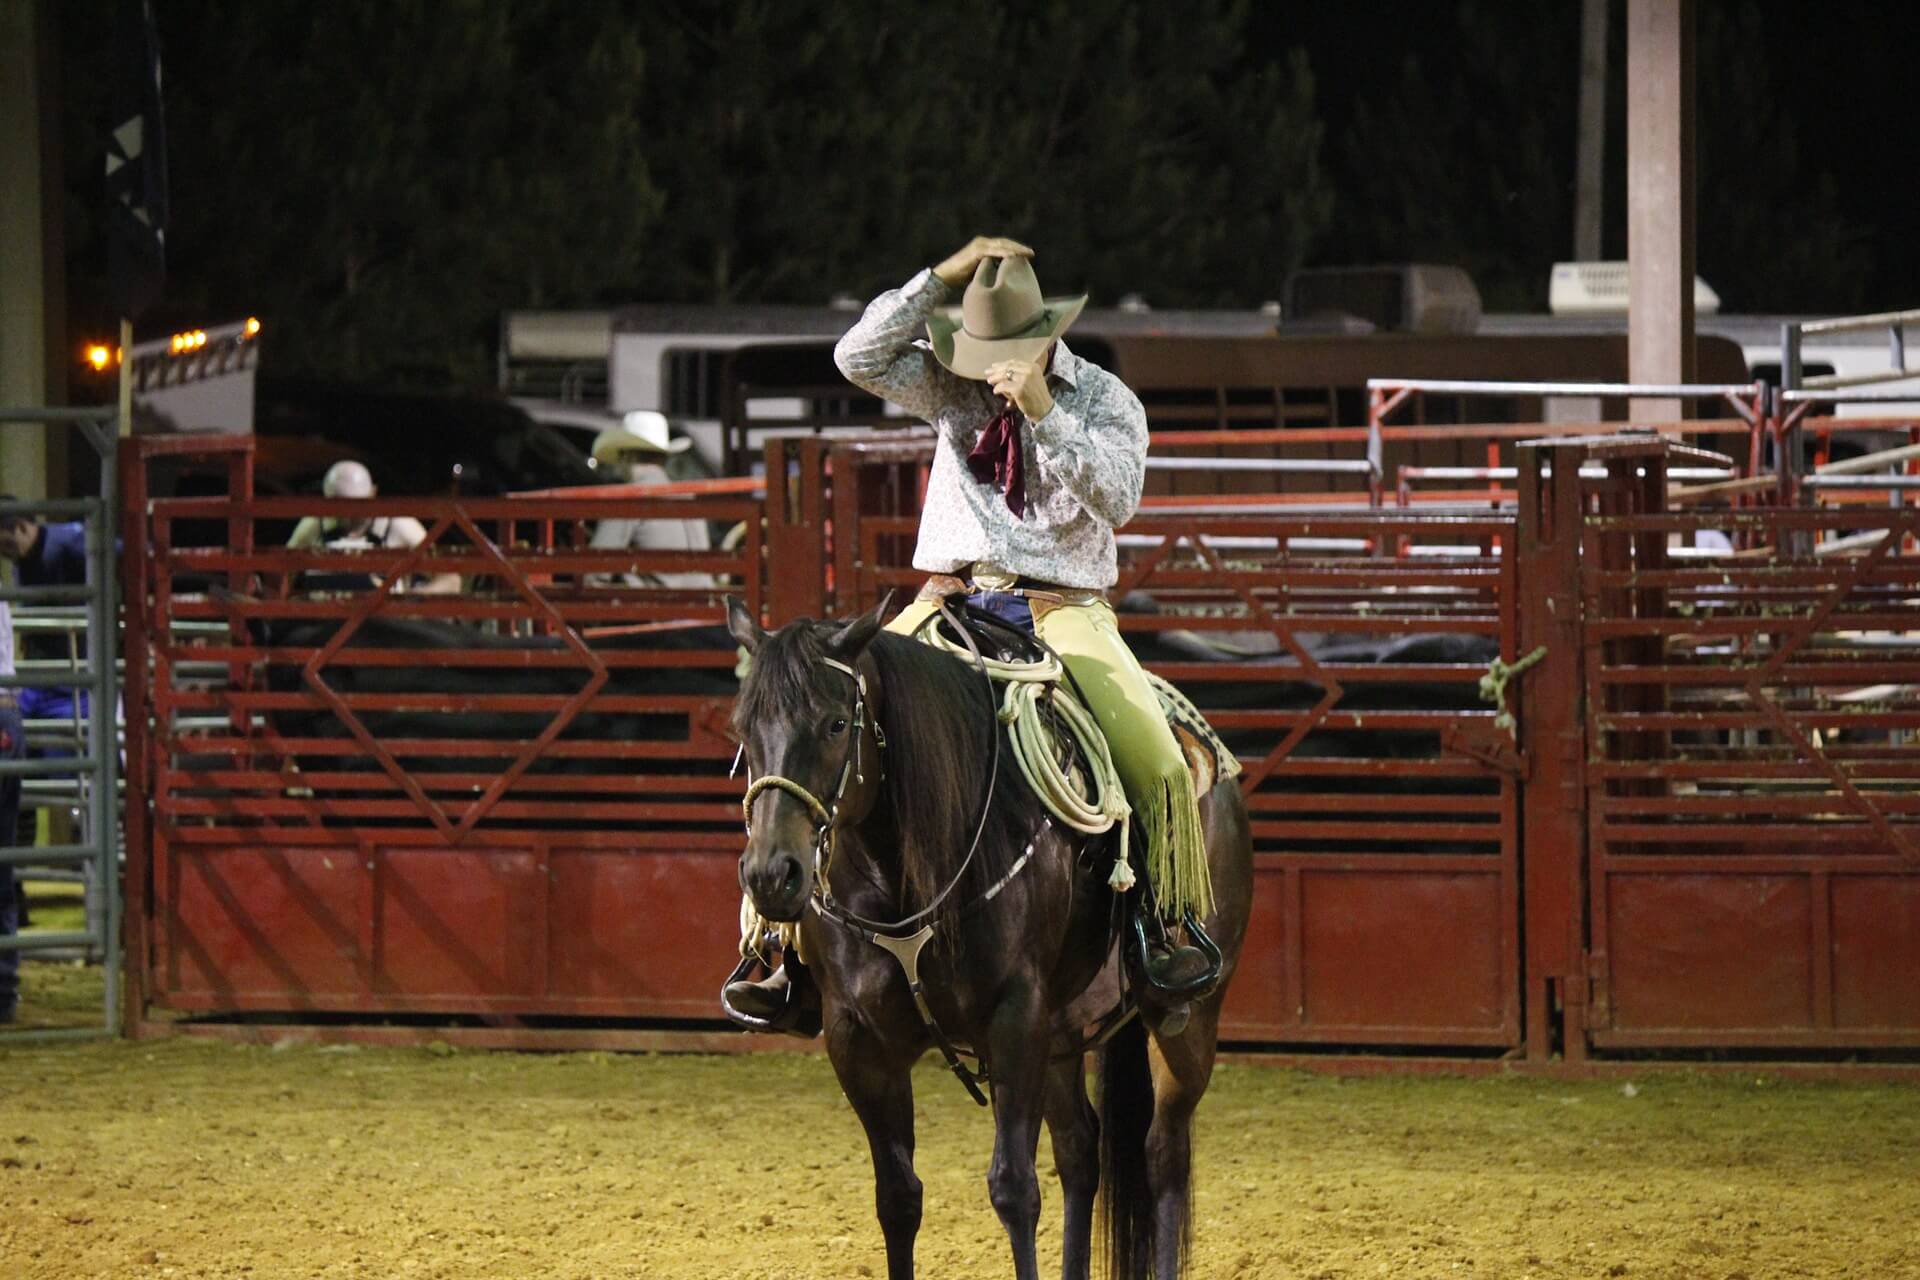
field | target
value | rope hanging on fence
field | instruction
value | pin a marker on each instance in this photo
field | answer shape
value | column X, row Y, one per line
column 1500, row 673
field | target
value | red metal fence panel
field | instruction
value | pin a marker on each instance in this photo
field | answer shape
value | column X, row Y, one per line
column 361, row 798
column 1690, row 823
column 1754, row 856
column 1346, row 651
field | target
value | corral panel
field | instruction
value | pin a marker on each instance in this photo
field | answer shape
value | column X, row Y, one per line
column 243, row 925
column 651, row 934
column 1753, row 857
column 452, row 926
column 1405, row 950
column 1710, row 951
column 1876, row 951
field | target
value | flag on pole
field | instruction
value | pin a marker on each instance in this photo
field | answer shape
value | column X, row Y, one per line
column 136, row 165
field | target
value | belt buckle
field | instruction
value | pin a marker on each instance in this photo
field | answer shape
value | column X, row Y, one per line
column 991, row 577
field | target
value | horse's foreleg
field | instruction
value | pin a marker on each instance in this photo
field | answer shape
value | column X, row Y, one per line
column 881, row 1092
column 1182, row 1065
column 1075, row 1127
column 1018, row 1054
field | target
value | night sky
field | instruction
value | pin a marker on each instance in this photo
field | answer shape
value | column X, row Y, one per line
column 380, row 181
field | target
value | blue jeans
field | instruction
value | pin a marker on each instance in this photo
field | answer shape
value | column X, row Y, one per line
column 13, row 746
column 1006, row 606
column 51, row 702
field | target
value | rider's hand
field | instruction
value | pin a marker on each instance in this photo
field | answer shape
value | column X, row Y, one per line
column 1024, row 383
column 959, row 268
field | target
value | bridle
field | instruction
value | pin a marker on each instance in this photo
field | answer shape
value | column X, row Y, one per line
column 826, row 817
column 908, row 936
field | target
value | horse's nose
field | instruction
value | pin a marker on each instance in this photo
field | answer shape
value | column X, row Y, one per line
column 779, row 886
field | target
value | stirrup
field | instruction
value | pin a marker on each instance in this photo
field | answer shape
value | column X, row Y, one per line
column 1193, row 987
column 795, row 1020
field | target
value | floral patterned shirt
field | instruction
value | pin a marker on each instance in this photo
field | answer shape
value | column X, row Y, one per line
column 1085, row 461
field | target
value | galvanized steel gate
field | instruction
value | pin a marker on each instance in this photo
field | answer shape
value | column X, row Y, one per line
column 77, row 763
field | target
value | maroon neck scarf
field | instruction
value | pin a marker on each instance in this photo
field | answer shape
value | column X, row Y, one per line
column 996, row 458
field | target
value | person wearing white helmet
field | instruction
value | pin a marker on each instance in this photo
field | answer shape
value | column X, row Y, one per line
column 350, row 479
column 636, row 452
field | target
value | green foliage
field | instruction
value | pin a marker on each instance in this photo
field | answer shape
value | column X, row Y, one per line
column 830, row 148
column 380, row 180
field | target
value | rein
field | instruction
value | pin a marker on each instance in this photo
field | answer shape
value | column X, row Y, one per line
column 907, row 937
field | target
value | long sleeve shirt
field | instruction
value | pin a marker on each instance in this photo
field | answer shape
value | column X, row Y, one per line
column 1084, row 462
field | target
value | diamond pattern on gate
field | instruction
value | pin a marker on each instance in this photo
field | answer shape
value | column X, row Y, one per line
column 1135, row 575
column 1800, row 632
column 456, row 829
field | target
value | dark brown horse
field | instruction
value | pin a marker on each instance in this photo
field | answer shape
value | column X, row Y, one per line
column 874, row 771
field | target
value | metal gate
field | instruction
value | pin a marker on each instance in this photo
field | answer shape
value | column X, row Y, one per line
column 1747, row 727
column 1340, row 654
column 75, row 767
column 358, row 799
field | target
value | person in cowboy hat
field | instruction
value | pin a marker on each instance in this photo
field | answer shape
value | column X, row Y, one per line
column 637, row 452
column 350, row 479
column 1041, row 455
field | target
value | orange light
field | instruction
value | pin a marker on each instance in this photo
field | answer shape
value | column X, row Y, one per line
column 179, row 343
column 98, row 356
column 199, row 337
column 253, row 325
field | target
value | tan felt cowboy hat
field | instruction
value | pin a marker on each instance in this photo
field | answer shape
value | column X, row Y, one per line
column 1000, row 317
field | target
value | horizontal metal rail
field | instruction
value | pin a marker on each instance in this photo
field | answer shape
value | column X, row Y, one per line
column 1635, row 390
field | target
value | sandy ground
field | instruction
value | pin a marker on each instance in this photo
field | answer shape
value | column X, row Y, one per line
column 187, row 1157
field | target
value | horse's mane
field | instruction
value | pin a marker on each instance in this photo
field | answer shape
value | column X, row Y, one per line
column 936, row 713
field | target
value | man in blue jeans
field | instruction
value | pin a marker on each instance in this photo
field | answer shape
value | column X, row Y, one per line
column 46, row 555
column 13, row 746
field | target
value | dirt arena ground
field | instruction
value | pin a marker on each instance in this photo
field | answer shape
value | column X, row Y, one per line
column 188, row 1157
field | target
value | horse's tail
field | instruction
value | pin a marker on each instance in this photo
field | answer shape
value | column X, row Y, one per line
column 1126, row 1110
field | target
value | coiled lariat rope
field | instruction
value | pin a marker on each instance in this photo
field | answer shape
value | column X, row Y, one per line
column 1026, row 684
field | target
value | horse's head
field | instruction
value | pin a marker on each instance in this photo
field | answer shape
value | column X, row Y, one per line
column 807, row 723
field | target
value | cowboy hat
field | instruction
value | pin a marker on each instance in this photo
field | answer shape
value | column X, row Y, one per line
column 1000, row 317
column 641, row 432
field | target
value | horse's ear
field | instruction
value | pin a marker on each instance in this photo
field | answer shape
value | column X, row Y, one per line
column 850, row 641
column 743, row 626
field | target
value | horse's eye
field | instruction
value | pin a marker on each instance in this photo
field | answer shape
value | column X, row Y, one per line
column 837, row 728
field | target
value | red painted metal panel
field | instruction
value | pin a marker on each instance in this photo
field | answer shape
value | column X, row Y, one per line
column 1709, row 951
column 651, row 933
column 281, row 925
column 1257, row 1005
column 1876, row 951
column 319, row 863
column 1753, row 855
column 1406, row 950
column 453, row 925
